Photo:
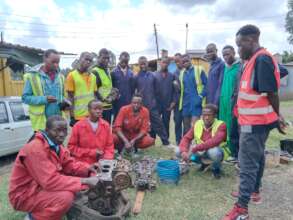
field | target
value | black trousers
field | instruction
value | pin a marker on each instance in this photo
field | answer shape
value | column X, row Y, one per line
column 178, row 120
column 166, row 115
column 157, row 126
column 252, row 164
column 234, row 137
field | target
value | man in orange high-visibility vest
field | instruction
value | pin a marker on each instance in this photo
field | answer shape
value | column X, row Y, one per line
column 258, row 113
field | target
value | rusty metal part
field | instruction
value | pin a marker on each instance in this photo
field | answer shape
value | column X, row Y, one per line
column 144, row 170
column 114, row 178
column 121, row 180
column 81, row 211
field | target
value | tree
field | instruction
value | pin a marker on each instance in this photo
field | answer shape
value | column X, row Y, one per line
column 289, row 21
column 287, row 57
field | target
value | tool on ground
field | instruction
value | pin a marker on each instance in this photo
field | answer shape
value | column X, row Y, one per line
column 144, row 180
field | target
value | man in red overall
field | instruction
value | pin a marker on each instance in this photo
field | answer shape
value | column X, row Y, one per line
column 131, row 126
column 91, row 138
column 258, row 113
column 45, row 177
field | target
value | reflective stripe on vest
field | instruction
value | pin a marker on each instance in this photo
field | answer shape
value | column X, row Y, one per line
column 198, row 131
column 254, row 108
column 83, row 93
column 251, row 97
column 199, row 85
column 256, row 111
column 106, row 87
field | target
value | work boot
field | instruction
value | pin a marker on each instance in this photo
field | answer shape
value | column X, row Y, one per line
column 237, row 213
column 255, row 197
column 204, row 167
column 217, row 173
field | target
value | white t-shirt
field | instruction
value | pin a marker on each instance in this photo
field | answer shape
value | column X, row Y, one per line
column 94, row 125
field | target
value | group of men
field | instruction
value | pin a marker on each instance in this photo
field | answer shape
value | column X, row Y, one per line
column 230, row 109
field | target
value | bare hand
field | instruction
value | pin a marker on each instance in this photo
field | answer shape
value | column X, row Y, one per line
column 127, row 145
column 99, row 153
column 95, row 168
column 172, row 105
column 282, row 125
column 51, row 99
column 90, row 181
column 132, row 142
column 185, row 156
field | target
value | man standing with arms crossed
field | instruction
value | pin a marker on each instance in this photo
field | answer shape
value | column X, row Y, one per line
column 258, row 113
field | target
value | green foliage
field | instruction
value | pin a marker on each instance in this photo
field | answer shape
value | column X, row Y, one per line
column 289, row 21
column 287, row 56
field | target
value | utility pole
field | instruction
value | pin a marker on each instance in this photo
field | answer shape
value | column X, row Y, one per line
column 2, row 38
column 186, row 40
column 157, row 45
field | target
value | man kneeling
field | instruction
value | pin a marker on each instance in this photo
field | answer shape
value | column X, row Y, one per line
column 131, row 126
column 209, row 135
column 45, row 177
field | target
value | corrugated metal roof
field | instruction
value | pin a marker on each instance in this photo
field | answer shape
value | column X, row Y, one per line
column 40, row 51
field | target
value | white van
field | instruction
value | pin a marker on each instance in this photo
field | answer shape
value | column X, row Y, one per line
column 15, row 125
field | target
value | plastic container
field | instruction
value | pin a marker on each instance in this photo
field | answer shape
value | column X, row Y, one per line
column 168, row 171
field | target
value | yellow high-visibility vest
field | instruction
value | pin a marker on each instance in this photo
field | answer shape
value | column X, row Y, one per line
column 83, row 94
column 106, row 87
column 199, row 86
column 37, row 112
column 198, row 131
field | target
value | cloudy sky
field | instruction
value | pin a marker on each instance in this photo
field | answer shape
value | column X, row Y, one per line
column 76, row 26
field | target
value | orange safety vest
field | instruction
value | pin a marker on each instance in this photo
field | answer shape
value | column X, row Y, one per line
column 254, row 108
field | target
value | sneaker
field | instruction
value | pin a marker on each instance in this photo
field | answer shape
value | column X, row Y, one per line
column 237, row 213
column 170, row 146
column 255, row 197
column 28, row 217
column 232, row 160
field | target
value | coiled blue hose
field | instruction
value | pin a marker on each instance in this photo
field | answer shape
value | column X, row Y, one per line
column 168, row 171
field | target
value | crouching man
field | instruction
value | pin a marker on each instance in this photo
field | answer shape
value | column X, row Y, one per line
column 91, row 138
column 45, row 178
column 209, row 138
column 131, row 127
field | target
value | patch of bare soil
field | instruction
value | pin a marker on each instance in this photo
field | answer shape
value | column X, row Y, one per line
column 277, row 195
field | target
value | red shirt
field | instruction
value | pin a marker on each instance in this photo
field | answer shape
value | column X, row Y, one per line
column 208, row 140
column 37, row 168
column 131, row 123
column 84, row 142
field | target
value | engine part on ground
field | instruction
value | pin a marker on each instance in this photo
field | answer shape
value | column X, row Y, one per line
column 81, row 211
column 106, row 198
column 144, row 169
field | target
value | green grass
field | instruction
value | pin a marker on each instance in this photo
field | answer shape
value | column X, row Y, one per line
column 197, row 196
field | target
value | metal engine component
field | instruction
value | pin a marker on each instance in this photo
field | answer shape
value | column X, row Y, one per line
column 106, row 198
column 144, row 170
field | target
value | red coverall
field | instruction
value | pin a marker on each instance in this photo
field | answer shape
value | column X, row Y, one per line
column 131, row 125
column 44, row 183
column 84, row 142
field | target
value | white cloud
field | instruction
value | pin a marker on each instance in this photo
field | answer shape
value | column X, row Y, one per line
column 80, row 27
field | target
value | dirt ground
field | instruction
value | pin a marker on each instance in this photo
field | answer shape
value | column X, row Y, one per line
column 277, row 195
